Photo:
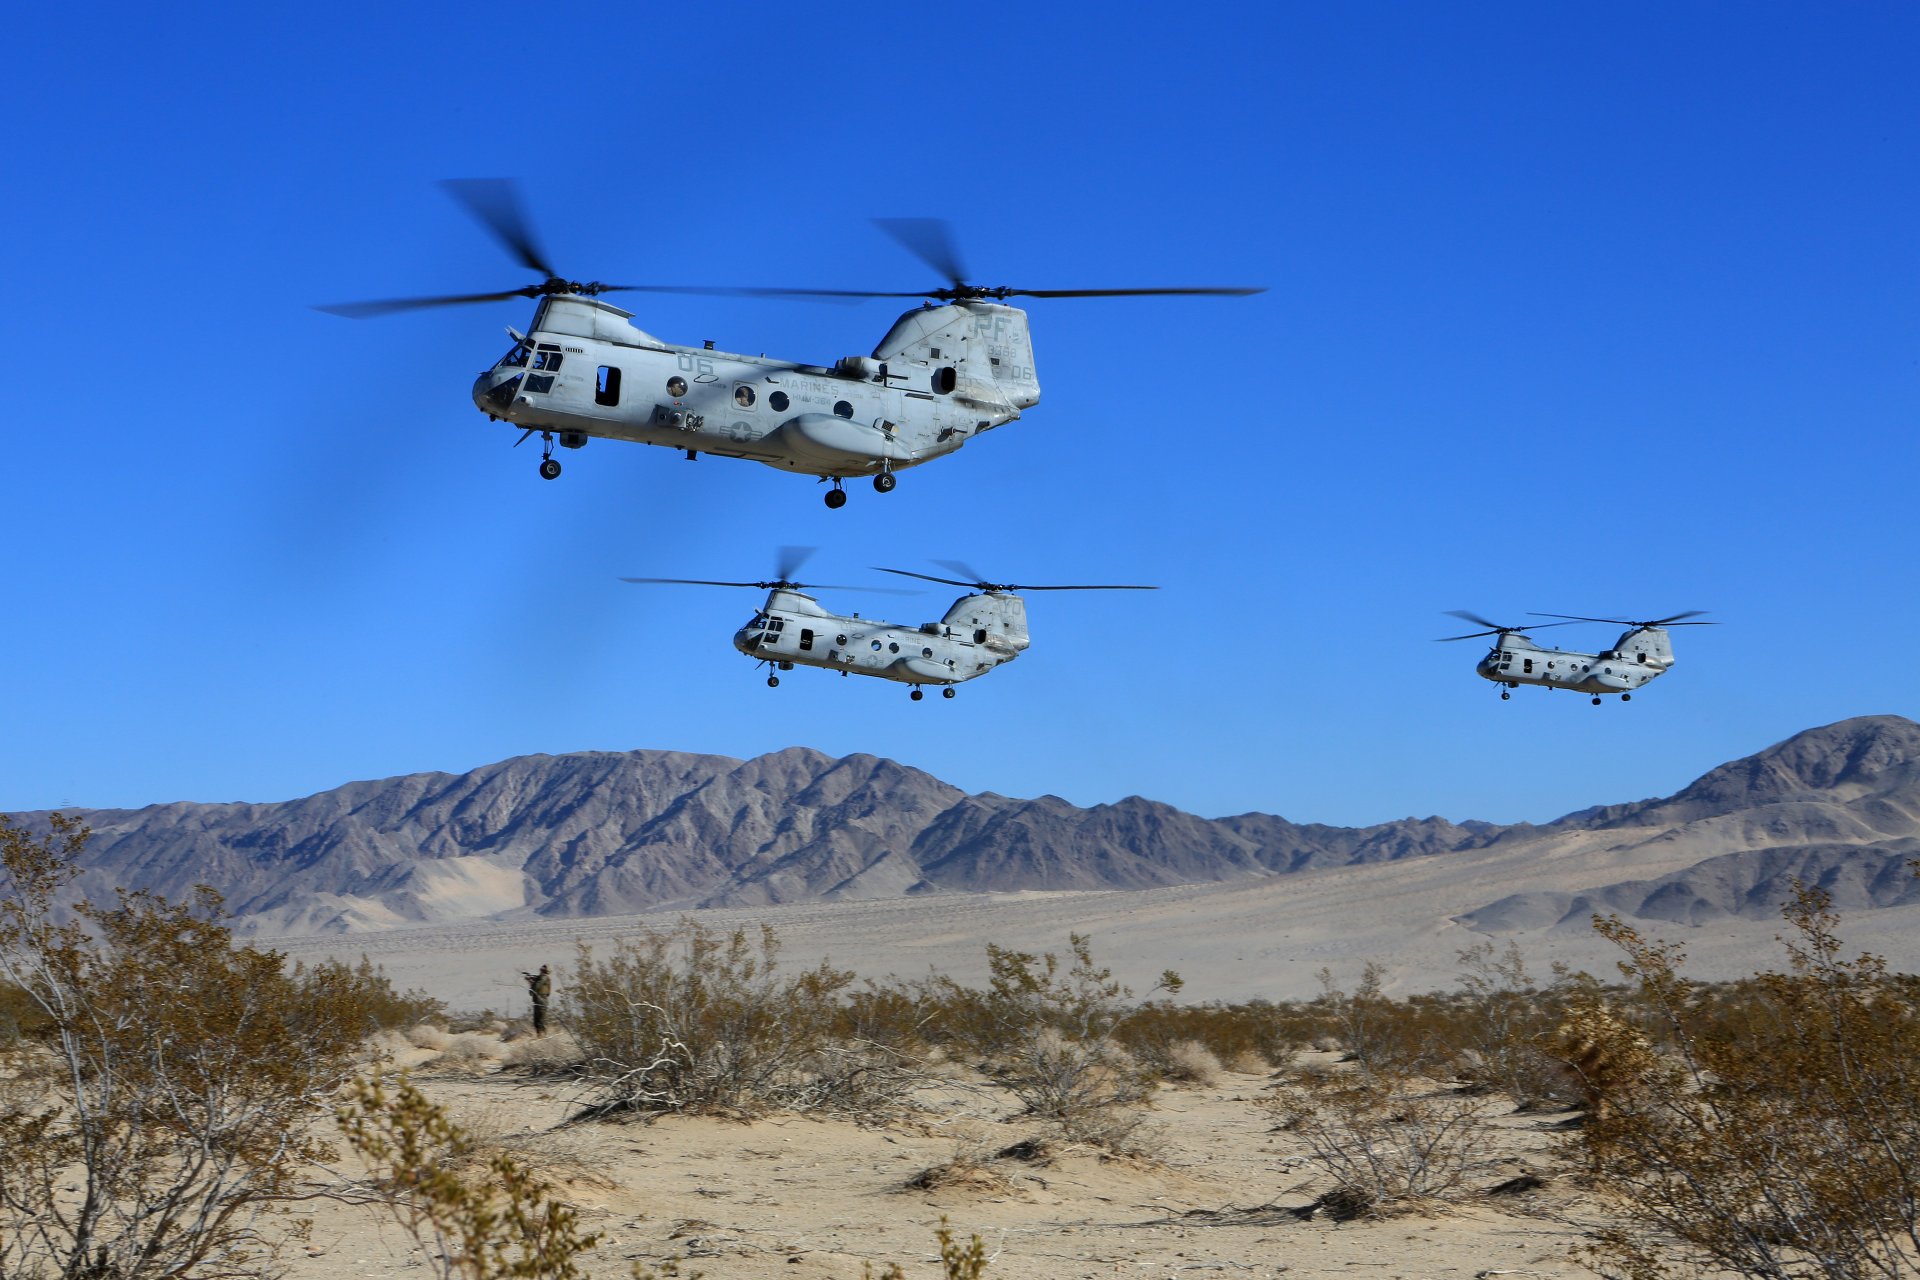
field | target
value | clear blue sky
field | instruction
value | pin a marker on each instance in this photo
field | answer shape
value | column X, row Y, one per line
column 1595, row 309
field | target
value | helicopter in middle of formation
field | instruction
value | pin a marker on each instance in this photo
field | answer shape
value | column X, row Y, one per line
column 1642, row 653
column 979, row 631
column 942, row 375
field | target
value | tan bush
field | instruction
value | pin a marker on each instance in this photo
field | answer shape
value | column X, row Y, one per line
column 1191, row 1062
column 429, row 1036
column 1387, row 1141
column 470, row 1050
column 555, row 1051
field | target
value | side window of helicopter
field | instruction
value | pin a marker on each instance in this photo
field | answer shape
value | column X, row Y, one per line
column 876, row 646
column 676, row 386
column 606, row 390
column 743, row 396
column 547, row 357
column 1526, row 666
column 841, row 641
column 980, row 636
column 944, row 380
column 779, row 402
column 842, row 408
column 806, row 637
column 926, row 653
column 539, row 382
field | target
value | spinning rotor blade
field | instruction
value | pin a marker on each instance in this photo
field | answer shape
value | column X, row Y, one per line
column 1494, row 628
column 931, row 241
column 1671, row 620
column 781, row 584
column 389, row 306
column 495, row 204
column 1008, row 588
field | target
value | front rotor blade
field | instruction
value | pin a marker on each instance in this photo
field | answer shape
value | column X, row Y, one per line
column 389, row 306
column 693, row 582
column 754, row 291
column 1095, row 586
column 1471, row 635
column 964, row 569
column 1235, row 292
column 1474, row 618
column 908, row 573
column 1675, row 620
column 791, row 558
column 930, row 240
column 495, row 203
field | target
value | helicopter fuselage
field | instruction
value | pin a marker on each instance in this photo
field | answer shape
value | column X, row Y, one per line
column 978, row 633
column 1638, row 656
column 941, row 376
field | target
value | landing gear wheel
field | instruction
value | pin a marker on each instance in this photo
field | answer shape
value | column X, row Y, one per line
column 884, row 482
column 1596, row 699
column 1626, row 697
column 1504, row 695
column 549, row 469
column 946, row 693
column 916, row 695
column 773, row 682
column 836, row 499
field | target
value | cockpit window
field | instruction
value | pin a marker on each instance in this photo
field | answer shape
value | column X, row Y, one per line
column 516, row 358
column 546, row 360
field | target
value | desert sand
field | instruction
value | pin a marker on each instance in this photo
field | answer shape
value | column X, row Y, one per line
column 785, row 1196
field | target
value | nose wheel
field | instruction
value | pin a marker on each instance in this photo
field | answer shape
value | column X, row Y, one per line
column 946, row 693
column 773, row 682
column 884, row 482
column 1504, row 695
column 549, row 469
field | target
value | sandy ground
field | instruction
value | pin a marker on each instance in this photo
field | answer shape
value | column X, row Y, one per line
column 1264, row 938
column 800, row 1198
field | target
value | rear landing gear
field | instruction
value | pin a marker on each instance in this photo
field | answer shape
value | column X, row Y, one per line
column 1626, row 697
column 884, row 482
column 1504, row 695
column 549, row 469
column 773, row 682
column 836, row 497
column 916, row 695
column 946, row 693
column 1596, row 699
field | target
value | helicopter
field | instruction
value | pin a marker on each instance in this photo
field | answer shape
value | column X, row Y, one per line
column 979, row 631
column 942, row 375
column 1642, row 653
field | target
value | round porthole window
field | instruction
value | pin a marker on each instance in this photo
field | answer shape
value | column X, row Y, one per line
column 894, row 647
column 840, row 640
column 876, row 646
column 676, row 386
column 778, row 400
column 926, row 653
column 743, row 396
column 844, row 409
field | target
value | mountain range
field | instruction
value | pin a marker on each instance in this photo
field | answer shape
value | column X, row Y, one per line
column 608, row 833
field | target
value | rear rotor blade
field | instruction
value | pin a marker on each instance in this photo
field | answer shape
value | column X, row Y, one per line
column 790, row 559
column 495, row 203
column 1223, row 292
column 1474, row 618
column 908, row 573
column 931, row 241
column 1088, row 586
column 692, row 582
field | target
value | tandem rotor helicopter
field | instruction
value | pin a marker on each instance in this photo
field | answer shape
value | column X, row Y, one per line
column 942, row 374
column 1642, row 653
column 979, row 632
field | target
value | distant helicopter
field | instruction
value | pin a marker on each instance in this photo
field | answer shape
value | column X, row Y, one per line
column 1639, row 655
column 978, row 633
column 941, row 375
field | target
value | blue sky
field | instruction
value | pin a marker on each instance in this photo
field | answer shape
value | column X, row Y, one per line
column 1608, row 310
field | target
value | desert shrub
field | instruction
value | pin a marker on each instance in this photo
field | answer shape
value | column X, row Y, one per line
column 1191, row 1062
column 171, row 1078
column 1497, row 1022
column 1048, row 1032
column 1254, row 1032
column 1784, row 1141
column 1386, row 1140
column 1382, row 1034
column 366, row 985
column 505, row 1224
column 429, row 1036
column 470, row 1051
column 690, row 1019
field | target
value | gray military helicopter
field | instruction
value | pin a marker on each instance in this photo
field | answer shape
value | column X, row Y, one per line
column 978, row 633
column 1640, row 654
column 941, row 376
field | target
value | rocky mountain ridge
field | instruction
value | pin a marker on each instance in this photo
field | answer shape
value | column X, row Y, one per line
column 602, row 833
